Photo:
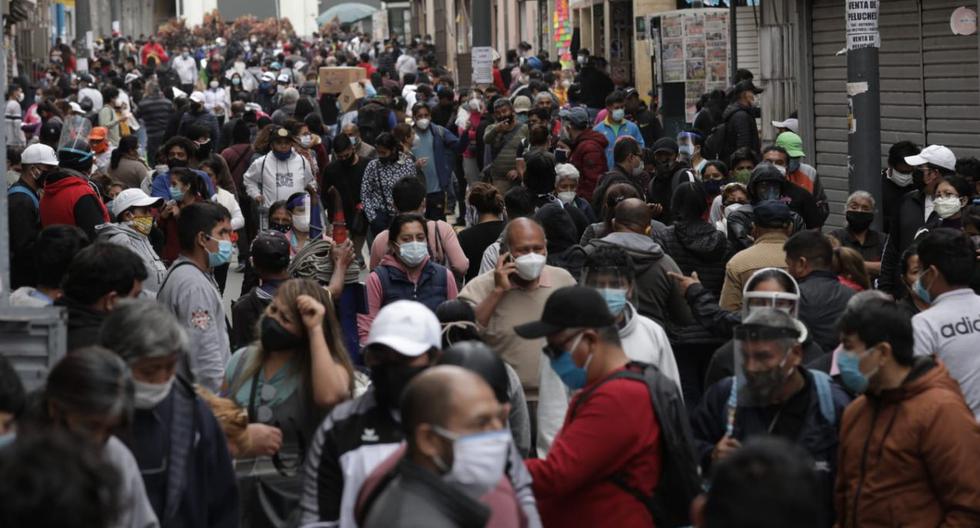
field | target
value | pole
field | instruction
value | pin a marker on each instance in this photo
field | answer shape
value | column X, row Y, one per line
column 732, row 40
column 83, row 20
column 115, row 12
column 5, row 288
column 863, row 99
column 480, row 21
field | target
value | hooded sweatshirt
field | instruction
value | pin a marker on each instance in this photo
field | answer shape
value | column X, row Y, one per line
column 698, row 246
column 589, row 156
column 123, row 235
column 69, row 199
column 659, row 297
column 277, row 180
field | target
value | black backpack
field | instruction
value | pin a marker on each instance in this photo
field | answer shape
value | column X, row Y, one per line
column 372, row 120
column 716, row 144
column 680, row 479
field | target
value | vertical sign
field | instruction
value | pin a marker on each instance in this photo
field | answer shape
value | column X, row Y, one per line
column 862, row 24
column 482, row 65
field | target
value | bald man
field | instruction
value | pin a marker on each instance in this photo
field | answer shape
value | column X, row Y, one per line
column 659, row 297
column 435, row 483
column 515, row 293
column 364, row 151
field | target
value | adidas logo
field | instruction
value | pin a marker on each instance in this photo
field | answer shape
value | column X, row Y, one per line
column 964, row 327
column 370, row 436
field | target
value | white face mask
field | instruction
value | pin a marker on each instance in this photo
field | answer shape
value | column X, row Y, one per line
column 529, row 266
column 731, row 209
column 566, row 197
column 301, row 223
column 475, row 105
column 20, row 97
column 149, row 395
column 780, row 168
column 306, row 140
column 478, row 459
column 902, row 179
column 413, row 253
column 423, row 124
column 947, row 207
column 214, row 84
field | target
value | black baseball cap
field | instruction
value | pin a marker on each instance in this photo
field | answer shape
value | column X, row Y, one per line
column 771, row 213
column 569, row 307
column 270, row 251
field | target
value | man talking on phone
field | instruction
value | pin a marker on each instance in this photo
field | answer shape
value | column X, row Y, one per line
column 513, row 293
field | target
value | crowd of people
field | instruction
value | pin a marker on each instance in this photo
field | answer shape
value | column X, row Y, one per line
column 517, row 305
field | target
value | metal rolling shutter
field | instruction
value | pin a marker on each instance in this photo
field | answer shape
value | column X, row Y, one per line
column 951, row 81
column 901, row 90
column 747, row 32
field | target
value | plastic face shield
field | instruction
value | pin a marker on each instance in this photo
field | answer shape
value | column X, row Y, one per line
column 761, row 354
column 606, row 278
column 300, row 209
column 782, row 301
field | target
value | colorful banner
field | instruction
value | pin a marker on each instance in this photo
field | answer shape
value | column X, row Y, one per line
column 562, row 36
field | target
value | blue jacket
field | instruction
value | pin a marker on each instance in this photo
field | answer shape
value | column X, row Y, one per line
column 431, row 289
column 445, row 145
column 629, row 128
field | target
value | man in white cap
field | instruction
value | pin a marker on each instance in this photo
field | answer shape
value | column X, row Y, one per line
column 133, row 221
column 197, row 114
column 360, row 434
column 23, row 199
column 929, row 167
column 791, row 124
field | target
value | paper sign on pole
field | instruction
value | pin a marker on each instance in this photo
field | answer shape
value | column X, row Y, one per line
column 483, row 65
column 116, row 27
column 862, row 24
column 81, row 64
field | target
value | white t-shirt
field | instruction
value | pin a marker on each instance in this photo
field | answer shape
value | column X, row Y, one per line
column 950, row 330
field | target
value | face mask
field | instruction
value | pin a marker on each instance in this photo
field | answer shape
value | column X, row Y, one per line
column 7, row 439
column 566, row 197
column 582, row 60
column 306, row 140
column 713, row 187
column 176, row 193
column 638, row 170
column 389, row 381
column 768, row 192
column 529, row 266
column 764, row 384
column 902, row 179
column 618, row 114
column 20, row 97
column 282, row 228
column 859, row 221
column 301, row 223
column 478, row 459
column 686, row 150
column 223, row 256
column 947, row 207
column 615, row 299
column 282, row 156
column 413, row 253
column 850, row 373
column 142, row 224
column 572, row 376
column 149, row 395
column 742, row 175
column 423, row 124
column 731, row 208
column 921, row 291
column 780, row 168
column 213, row 84
column 175, row 163
column 275, row 337
column 474, row 105
column 236, row 81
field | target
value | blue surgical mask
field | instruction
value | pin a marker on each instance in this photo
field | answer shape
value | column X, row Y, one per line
column 686, row 150
column 571, row 375
column 7, row 439
column 615, row 299
column 850, row 372
column 282, row 156
column 223, row 256
column 921, row 291
column 618, row 115
column 176, row 193
column 413, row 253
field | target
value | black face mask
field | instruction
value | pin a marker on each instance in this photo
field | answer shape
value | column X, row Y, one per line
column 662, row 168
column 275, row 337
column 859, row 221
column 389, row 381
column 175, row 163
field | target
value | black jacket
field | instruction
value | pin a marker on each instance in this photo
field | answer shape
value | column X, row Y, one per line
column 891, row 197
column 906, row 222
column 822, row 301
column 649, row 123
column 596, row 85
column 417, row 497
column 614, row 176
column 155, row 111
column 740, row 129
column 25, row 224
column 698, row 246
column 84, row 324
column 245, row 314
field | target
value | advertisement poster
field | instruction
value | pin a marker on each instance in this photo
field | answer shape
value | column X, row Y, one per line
column 695, row 70
column 693, row 25
column 674, row 71
column 694, row 51
column 695, row 48
column 673, row 49
column 672, row 26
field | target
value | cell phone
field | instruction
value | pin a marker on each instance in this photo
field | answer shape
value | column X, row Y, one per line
column 561, row 155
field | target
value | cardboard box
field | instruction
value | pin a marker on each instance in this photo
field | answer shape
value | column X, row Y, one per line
column 333, row 79
column 349, row 97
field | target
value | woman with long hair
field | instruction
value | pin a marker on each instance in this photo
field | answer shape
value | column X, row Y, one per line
column 288, row 380
column 187, row 186
column 126, row 167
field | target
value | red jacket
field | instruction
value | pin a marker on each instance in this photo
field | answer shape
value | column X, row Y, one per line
column 60, row 197
column 615, row 430
column 589, row 157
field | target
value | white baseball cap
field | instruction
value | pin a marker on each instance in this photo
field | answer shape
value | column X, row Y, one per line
column 792, row 124
column 197, row 97
column 283, row 78
column 268, row 76
column 132, row 198
column 76, row 108
column 937, row 155
column 407, row 327
column 178, row 93
column 39, row 154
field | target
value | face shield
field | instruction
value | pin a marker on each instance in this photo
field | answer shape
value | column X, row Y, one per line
column 754, row 299
column 299, row 208
column 762, row 365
